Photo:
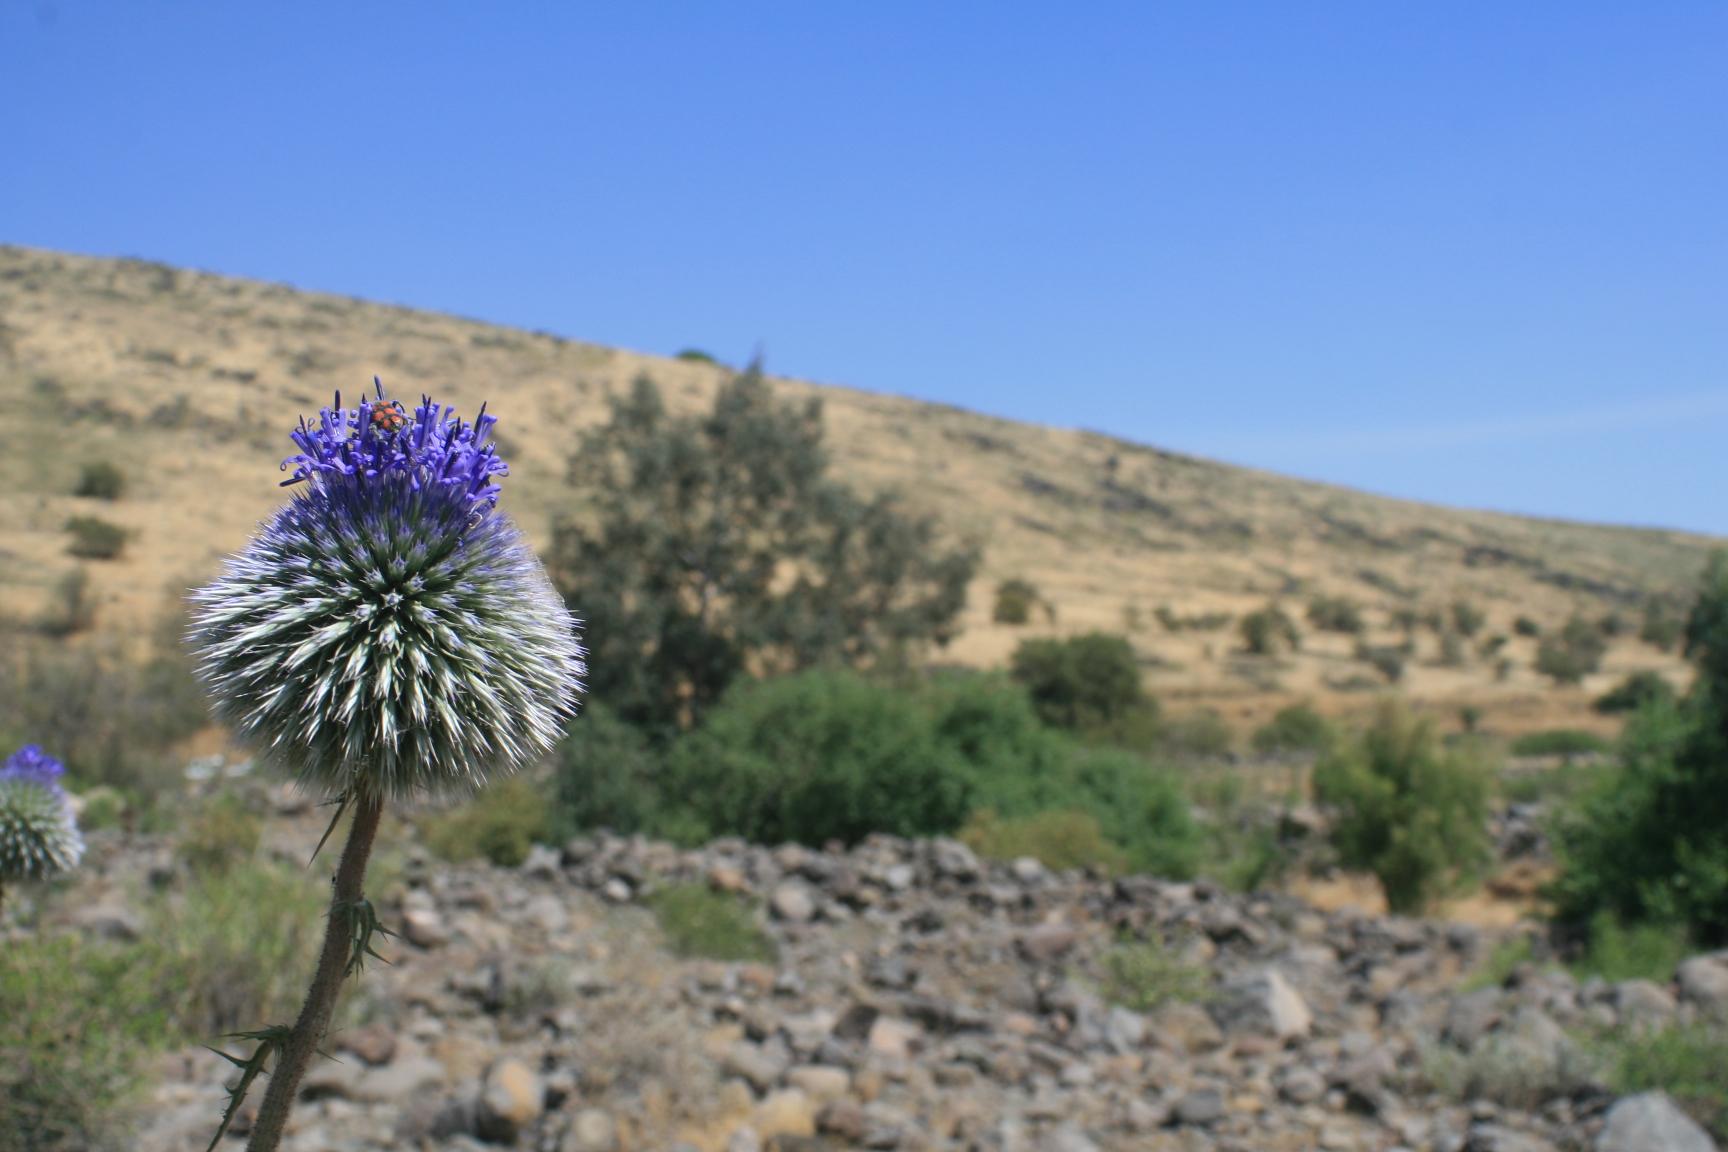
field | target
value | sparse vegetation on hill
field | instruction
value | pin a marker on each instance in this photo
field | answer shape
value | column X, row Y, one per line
column 134, row 360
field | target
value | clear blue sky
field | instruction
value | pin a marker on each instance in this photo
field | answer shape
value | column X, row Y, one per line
column 1471, row 253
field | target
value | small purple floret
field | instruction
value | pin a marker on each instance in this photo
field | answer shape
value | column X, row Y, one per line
column 33, row 764
column 431, row 448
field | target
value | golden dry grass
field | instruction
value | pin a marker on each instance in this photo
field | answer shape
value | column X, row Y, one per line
column 188, row 382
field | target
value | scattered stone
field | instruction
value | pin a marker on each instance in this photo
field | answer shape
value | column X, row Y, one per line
column 591, row 1130
column 1703, row 981
column 1651, row 1122
column 793, row 903
column 1205, row 1107
column 510, row 1100
column 1262, row 1003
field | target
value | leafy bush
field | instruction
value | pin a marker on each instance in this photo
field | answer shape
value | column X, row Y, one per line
column 1015, row 600
column 818, row 756
column 94, row 538
column 1524, row 626
column 1467, row 619
column 1296, row 728
column 1058, row 840
column 1268, row 631
column 80, row 1020
column 1451, row 649
column 1618, row 952
column 100, row 480
column 1650, row 844
column 695, row 356
column 71, row 610
column 221, row 833
column 1662, row 627
column 1081, row 682
column 234, row 951
column 1335, row 614
column 1565, row 743
column 499, row 825
column 703, row 924
column 1408, row 810
column 1636, row 691
column 1194, row 622
column 1139, row 807
column 1572, row 654
column 1387, row 661
column 1144, row 975
column 606, row 775
column 1612, row 625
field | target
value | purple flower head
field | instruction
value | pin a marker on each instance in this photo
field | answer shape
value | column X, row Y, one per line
column 388, row 632
column 33, row 764
column 379, row 441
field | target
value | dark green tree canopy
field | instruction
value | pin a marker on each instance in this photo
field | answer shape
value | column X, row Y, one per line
column 716, row 544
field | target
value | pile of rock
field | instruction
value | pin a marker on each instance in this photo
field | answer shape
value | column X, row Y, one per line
column 925, row 999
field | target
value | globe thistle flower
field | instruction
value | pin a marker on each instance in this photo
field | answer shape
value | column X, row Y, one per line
column 38, row 833
column 388, row 631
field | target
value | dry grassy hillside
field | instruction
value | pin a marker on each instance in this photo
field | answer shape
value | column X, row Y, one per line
column 188, row 382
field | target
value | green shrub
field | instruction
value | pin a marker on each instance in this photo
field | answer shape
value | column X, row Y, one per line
column 1295, row 729
column 1524, row 626
column 1650, row 843
column 700, row 923
column 1387, row 661
column 221, row 833
column 1407, row 810
column 80, row 1020
column 100, row 480
column 1616, row 951
column 695, row 356
column 1144, row 975
column 1081, row 682
column 1194, row 622
column 1269, row 631
column 1467, row 619
column 1058, row 840
column 1015, row 600
column 94, row 538
column 1335, row 614
column 500, row 825
column 234, row 951
column 1636, row 691
column 606, row 775
column 1565, row 743
column 1687, row 1062
column 824, row 755
column 71, row 609
column 1572, row 654
column 1491, row 646
column 1662, row 627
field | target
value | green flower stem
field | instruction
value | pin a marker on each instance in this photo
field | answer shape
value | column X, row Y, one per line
column 320, row 1003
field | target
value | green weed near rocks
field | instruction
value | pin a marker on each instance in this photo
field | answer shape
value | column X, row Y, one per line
column 699, row 923
column 1144, row 975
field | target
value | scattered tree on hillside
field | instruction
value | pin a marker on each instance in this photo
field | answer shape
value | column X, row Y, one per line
column 1269, row 631
column 1572, row 653
column 1081, row 683
column 712, row 545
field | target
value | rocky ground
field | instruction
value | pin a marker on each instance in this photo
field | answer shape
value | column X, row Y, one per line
column 923, row 999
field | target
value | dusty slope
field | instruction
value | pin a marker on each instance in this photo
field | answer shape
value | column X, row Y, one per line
column 188, row 382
